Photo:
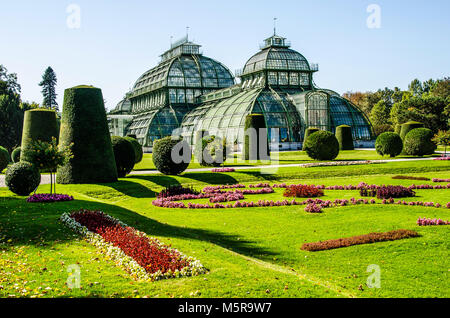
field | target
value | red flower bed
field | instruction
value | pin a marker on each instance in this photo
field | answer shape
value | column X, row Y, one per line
column 357, row 240
column 149, row 254
column 303, row 191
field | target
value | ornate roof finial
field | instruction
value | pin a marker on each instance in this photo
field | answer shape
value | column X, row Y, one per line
column 187, row 33
column 275, row 26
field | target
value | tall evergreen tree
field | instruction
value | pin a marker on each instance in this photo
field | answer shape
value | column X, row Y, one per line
column 48, row 84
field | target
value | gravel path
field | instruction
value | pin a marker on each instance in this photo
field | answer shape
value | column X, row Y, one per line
column 45, row 178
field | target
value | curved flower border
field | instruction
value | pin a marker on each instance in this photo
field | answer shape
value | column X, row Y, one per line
column 195, row 267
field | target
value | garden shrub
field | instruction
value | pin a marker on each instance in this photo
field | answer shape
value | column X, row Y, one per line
column 302, row 191
column 38, row 125
column 379, row 129
column 322, row 145
column 124, row 155
column 84, row 124
column 360, row 239
column 389, row 143
column 15, row 154
column 344, row 137
column 418, row 142
column 22, row 178
column 138, row 152
column 407, row 127
column 212, row 152
column 163, row 159
column 387, row 192
column 256, row 146
column 4, row 158
column 309, row 132
column 176, row 190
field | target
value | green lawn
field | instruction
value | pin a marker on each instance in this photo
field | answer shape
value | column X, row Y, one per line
column 253, row 252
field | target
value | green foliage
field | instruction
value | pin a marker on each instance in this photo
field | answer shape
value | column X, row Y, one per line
column 407, row 127
column 380, row 113
column 123, row 154
column 344, row 137
column 309, row 132
column 11, row 118
column 322, row 145
column 382, row 128
column 48, row 84
column 171, row 155
column 213, row 151
column 418, row 142
column 442, row 138
column 22, row 178
column 389, row 144
column 398, row 129
column 84, row 124
column 138, row 152
column 253, row 142
column 4, row 158
column 39, row 124
column 15, row 155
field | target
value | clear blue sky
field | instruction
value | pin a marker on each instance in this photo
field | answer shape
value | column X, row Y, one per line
column 119, row 40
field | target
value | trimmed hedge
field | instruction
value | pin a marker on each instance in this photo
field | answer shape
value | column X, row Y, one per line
column 15, row 154
column 345, row 137
column 418, row 142
column 213, row 151
column 38, row 124
column 163, row 159
column 22, row 178
column 309, row 132
column 123, row 154
column 4, row 158
column 138, row 152
column 252, row 142
column 389, row 143
column 322, row 145
column 84, row 125
column 407, row 127
column 198, row 143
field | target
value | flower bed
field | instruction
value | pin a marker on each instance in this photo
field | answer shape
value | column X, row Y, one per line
column 338, row 163
column 176, row 190
column 386, row 192
column 411, row 178
column 49, row 198
column 357, row 240
column 440, row 180
column 303, row 191
column 142, row 256
column 313, row 208
column 428, row 222
column 223, row 170
column 442, row 158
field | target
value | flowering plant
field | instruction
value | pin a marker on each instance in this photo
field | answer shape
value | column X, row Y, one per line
column 223, row 170
column 48, row 198
column 303, row 191
column 427, row 222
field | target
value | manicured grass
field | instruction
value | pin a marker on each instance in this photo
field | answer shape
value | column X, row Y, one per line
column 288, row 157
column 253, row 252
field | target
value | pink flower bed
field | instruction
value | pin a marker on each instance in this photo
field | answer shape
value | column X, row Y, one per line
column 441, row 180
column 49, row 198
column 223, row 170
column 428, row 222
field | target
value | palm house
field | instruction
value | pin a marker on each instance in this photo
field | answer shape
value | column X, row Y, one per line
column 188, row 92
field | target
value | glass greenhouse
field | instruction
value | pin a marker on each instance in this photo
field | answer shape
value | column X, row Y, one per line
column 188, row 92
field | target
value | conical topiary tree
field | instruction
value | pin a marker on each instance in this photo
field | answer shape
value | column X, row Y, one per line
column 38, row 125
column 309, row 132
column 256, row 144
column 83, row 124
column 344, row 137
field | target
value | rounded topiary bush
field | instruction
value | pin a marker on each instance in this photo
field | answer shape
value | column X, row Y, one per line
column 256, row 144
column 322, row 145
column 309, row 132
column 213, row 151
column 22, row 178
column 38, row 124
column 85, row 128
column 171, row 155
column 407, row 127
column 15, row 154
column 4, row 158
column 418, row 142
column 138, row 152
column 389, row 143
column 123, row 154
column 344, row 137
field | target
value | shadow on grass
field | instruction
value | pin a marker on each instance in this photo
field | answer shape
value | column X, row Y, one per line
column 38, row 224
column 131, row 189
column 159, row 179
column 211, row 178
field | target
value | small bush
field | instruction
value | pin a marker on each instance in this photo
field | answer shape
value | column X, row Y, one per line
column 309, row 132
column 389, row 143
column 124, row 155
column 302, row 191
column 344, row 137
column 138, row 152
column 213, row 151
column 418, row 142
column 322, row 145
column 163, row 159
column 15, row 155
column 4, row 158
column 387, row 192
column 360, row 239
column 407, row 127
column 22, row 178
